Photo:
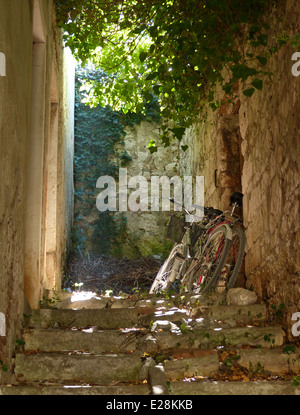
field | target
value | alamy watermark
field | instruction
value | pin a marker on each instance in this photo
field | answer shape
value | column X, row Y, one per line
column 2, row 325
column 133, row 194
column 296, row 326
column 296, row 66
column 2, row 64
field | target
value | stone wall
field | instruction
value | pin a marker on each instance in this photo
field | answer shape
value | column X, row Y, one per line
column 254, row 147
column 35, row 161
column 269, row 125
column 214, row 152
column 145, row 230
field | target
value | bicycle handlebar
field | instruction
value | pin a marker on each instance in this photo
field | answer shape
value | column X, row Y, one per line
column 186, row 210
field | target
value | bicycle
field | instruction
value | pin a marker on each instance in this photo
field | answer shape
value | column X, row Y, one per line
column 216, row 255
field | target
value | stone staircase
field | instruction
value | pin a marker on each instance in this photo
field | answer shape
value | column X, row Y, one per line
column 156, row 346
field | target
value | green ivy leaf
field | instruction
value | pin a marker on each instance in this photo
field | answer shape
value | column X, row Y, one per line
column 249, row 92
column 178, row 132
column 152, row 147
column 184, row 148
column 214, row 105
column 257, row 83
column 262, row 60
column 227, row 87
column 151, row 76
column 143, row 56
column 242, row 71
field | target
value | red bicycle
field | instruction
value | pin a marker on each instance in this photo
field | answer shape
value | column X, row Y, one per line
column 214, row 260
column 219, row 252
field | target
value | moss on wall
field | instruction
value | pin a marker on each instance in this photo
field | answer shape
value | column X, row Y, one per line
column 100, row 150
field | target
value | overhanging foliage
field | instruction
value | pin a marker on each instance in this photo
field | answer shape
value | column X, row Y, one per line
column 176, row 50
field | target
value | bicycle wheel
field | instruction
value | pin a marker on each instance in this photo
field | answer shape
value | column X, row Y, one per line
column 234, row 259
column 205, row 268
column 169, row 270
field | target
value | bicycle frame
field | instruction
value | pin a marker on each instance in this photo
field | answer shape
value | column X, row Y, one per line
column 213, row 224
column 184, row 254
column 180, row 258
column 210, row 247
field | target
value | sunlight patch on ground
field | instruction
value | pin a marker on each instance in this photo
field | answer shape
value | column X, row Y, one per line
column 82, row 296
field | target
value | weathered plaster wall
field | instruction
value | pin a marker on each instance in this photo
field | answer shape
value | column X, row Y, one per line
column 14, row 130
column 32, row 115
column 63, row 214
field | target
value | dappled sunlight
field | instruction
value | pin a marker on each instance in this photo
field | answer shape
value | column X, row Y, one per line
column 157, row 390
column 194, row 378
column 82, row 296
column 90, row 330
column 171, row 311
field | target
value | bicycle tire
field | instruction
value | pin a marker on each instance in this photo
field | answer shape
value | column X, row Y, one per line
column 234, row 259
column 205, row 268
column 162, row 281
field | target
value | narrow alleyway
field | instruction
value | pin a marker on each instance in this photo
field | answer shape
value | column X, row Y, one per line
column 93, row 329
column 103, row 345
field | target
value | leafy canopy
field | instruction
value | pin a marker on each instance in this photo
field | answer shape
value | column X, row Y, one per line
column 175, row 50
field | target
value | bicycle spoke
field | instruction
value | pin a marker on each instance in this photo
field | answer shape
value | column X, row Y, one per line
column 234, row 258
column 218, row 254
column 205, row 269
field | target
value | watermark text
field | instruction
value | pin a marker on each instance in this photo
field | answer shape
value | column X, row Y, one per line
column 2, row 325
column 296, row 66
column 296, row 326
column 133, row 194
column 2, row 64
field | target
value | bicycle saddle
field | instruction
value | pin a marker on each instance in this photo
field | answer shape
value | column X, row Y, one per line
column 212, row 213
column 237, row 198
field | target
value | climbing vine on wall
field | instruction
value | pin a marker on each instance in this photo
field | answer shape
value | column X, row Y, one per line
column 177, row 50
column 99, row 138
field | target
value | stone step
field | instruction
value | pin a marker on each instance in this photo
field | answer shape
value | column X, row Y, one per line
column 114, row 390
column 265, row 337
column 103, row 351
column 274, row 361
column 175, row 388
column 102, row 318
column 256, row 313
column 246, row 314
column 234, row 388
column 120, row 341
column 203, row 365
column 91, row 340
column 189, row 363
column 83, row 368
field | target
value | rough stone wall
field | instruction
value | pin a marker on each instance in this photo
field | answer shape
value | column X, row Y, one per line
column 214, row 152
column 20, row 31
column 145, row 231
column 254, row 146
column 270, row 125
